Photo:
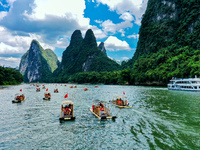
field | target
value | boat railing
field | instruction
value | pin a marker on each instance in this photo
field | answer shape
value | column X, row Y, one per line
column 183, row 79
column 108, row 111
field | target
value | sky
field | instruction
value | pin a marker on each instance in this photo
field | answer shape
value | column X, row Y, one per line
column 52, row 22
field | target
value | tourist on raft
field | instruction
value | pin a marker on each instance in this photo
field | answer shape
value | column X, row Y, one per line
column 67, row 110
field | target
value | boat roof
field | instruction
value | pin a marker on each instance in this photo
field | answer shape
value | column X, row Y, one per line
column 185, row 79
column 46, row 92
column 67, row 102
column 19, row 93
column 120, row 96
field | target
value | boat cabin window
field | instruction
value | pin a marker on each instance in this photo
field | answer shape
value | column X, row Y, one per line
column 187, row 87
column 185, row 82
column 194, row 81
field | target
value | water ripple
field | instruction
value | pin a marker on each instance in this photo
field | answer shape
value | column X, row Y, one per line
column 159, row 119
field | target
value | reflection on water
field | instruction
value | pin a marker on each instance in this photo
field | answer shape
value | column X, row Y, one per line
column 159, row 119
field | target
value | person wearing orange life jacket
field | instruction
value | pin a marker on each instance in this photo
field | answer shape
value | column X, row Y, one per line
column 102, row 109
column 120, row 102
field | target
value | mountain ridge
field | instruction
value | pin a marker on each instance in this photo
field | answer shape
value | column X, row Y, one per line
column 37, row 64
column 83, row 55
column 169, row 41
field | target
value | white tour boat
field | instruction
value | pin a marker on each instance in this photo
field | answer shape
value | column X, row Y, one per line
column 186, row 84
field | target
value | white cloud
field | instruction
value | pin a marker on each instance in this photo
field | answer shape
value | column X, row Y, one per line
column 125, row 58
column 133, row 7
column 109, row 27
column 62, row 42
column 111, row 58
column 3, row 4
column 127, row 16
column 135, row 36
column 99, row 34
column 12, row 44
column 48, row 20
column 3, row 14
column 10, row 2
column 122, row 32
column 4, row 48
column 98, row 21
column 45, row 21
column 70, row 10
column 114, row 44
column 9, row 62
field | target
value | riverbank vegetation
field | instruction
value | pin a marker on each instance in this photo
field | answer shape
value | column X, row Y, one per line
column 155, row 69
column 10, row 76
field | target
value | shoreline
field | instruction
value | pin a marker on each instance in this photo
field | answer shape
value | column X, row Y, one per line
column 6, row 86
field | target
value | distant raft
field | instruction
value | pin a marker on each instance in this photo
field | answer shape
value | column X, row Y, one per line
column 55, row 90
column 47, row 96
column 19, row 97
column 120, row 101
column 101, row 110
column 38, row 90
column 67, row 111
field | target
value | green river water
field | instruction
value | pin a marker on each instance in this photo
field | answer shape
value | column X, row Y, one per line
column 159, row 119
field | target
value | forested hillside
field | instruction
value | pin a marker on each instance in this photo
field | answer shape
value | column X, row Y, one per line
column 168, row 46
column 10, row 76
column 38, row 64
column 169, row 42
column 83, row 55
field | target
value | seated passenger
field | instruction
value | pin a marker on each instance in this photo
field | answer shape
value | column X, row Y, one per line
column 116, row 101
column 126, row 102
column 101, row 105
column 22, row 97
column 120, row 102
column 67, row 110
column 48, row 95
column 102, row 110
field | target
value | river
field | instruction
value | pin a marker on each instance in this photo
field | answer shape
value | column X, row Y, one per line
column 159, row 119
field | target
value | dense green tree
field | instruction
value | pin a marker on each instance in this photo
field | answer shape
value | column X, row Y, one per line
column 169, row 42
column 10, row 76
